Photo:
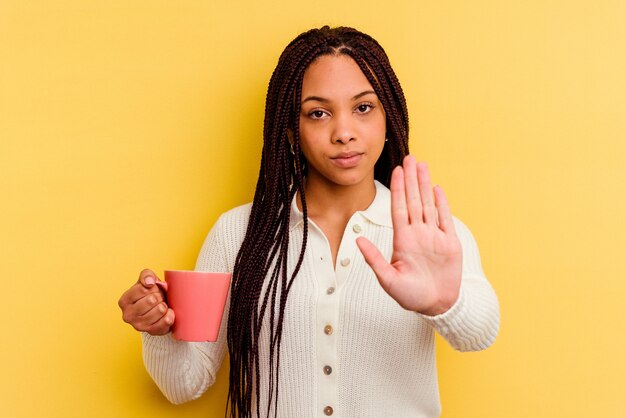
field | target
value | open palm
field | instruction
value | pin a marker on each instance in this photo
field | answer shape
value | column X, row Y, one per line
column 424, row 274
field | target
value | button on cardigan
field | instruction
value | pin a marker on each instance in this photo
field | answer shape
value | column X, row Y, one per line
column 348, row 348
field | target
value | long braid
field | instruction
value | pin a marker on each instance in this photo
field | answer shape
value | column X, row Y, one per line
column 262, row 261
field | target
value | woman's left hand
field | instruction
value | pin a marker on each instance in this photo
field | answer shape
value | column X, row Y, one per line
column 424, row 274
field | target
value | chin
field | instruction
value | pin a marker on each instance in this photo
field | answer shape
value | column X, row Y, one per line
column 347, row 181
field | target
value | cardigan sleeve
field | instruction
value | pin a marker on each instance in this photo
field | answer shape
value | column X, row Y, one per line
column 182, row 370
column 472, row 323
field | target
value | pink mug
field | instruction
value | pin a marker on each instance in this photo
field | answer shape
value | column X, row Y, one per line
column 197, row 299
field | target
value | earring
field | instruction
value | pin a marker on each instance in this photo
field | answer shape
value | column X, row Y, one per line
column 386, row 139
column 291, row 148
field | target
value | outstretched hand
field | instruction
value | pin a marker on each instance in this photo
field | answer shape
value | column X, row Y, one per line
column 424, row 274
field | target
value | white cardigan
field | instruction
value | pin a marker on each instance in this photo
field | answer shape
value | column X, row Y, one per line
column 348, row 349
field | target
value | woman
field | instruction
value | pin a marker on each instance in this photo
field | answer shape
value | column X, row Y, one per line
column 309, row 329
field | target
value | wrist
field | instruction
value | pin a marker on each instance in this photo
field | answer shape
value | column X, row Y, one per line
column 441, row 306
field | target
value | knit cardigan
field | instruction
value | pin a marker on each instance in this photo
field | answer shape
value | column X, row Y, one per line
column 348, row 349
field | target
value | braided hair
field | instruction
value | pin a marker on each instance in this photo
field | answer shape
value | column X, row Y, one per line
column 261, row 281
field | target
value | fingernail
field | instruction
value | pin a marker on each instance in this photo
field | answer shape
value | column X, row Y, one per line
column 150, row 281
column 168, row 320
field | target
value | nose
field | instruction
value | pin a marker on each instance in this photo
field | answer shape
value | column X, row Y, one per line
column 344, row 129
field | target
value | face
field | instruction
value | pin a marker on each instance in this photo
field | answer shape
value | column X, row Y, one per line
column 342, row 123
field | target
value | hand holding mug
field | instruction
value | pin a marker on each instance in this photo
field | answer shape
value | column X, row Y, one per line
column 143, row 306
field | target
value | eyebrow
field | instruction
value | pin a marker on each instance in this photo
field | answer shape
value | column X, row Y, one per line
column 324, row 100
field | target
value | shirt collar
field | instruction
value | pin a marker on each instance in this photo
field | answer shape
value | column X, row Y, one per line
column 379, row 212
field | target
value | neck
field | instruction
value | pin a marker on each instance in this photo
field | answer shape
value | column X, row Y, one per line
column 326, row 200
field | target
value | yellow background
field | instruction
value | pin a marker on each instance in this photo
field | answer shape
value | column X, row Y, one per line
column 127, row 127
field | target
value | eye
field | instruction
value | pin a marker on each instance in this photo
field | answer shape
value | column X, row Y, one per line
column 364, row 107
column 317, row 114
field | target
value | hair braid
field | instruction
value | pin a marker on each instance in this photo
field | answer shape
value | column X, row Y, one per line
column 261, row 279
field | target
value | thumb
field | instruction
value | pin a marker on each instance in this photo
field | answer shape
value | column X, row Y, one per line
column 147, row 278
column 383, row 270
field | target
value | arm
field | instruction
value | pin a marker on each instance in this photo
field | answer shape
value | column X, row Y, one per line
column 183, row 371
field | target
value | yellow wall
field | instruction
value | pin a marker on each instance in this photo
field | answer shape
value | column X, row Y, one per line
column 127, row 127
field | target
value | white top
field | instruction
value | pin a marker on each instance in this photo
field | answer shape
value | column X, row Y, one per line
column 348, row 349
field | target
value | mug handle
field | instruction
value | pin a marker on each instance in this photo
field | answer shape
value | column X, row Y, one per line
column 163, row 286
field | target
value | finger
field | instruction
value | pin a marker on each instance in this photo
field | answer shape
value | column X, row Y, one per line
column 147, row 278
column 446, row 224
column 399, row 214
column 414, row 203
column 148, row 302
column 426, row 193
column 383, row 270
column 154, row 315
column 134, row 294
column 163, row 325
column 136, row 314
column 132, row 312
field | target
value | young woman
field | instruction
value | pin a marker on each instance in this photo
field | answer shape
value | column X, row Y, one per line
column 345, row 264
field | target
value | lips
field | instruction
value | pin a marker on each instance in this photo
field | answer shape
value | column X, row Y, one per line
column 347, row 159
